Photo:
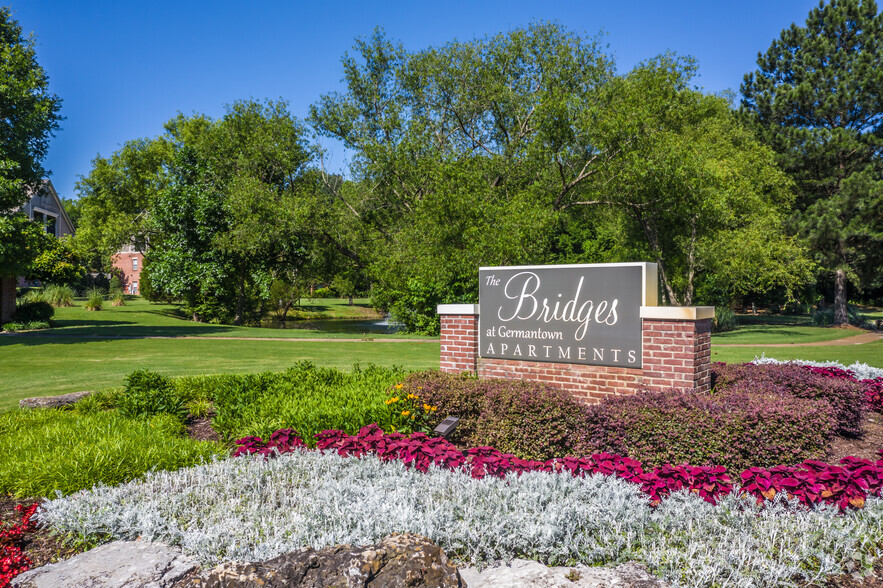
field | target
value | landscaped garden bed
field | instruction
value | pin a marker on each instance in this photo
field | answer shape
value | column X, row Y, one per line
column 815, row 518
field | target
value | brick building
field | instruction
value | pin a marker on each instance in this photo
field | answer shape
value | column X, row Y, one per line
column 127, row 265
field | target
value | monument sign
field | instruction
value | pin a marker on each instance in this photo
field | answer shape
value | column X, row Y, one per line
column 582, row 314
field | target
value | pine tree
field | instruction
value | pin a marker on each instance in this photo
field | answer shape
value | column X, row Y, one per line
column 817, row 99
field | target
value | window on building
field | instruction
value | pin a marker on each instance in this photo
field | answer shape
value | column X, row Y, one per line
column 51, row 225
column 134, row 264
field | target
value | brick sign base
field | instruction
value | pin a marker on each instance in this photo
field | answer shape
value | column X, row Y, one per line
column 676, row 355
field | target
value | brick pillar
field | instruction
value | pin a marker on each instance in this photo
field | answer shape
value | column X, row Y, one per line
column 677, row 347
column 7, row 299
column 459, row 337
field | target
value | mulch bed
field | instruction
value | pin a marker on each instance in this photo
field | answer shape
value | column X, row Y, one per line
column 42, row 548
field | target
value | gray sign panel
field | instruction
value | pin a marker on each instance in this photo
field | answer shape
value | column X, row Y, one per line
column 583, row 314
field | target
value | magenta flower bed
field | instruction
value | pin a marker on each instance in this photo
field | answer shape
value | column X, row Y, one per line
column 811, row 482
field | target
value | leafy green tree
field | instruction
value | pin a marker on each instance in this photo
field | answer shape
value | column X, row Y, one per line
column 526, row 147
column 21, row 241
column 699, row 192
column 117, row 195
column 57, row 262
column 817, row 99
column 237, row 212
column 29, row 114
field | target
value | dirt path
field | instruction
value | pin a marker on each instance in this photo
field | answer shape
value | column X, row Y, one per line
column 854, row 340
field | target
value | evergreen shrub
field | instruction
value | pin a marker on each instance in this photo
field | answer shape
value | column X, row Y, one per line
column 36, row 311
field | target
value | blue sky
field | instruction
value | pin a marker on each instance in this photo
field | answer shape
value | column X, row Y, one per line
column 123, row 68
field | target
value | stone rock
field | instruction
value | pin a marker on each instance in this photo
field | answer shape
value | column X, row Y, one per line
column 522, row 573
column 398, row 561
column 53, row 401
column 120, row 564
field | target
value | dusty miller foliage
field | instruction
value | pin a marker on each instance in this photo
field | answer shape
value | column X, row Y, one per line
column 861, row 371
column 250, row 509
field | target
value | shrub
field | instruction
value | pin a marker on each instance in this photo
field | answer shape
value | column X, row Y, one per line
column 30, row 312
column 530, row 420
column 845, row 397
column 118, row 299
column 724, row 319
column 94, row 299
column 459, row 395
column 59, row 295
column 733, row 429
column 31, row 326
column 47, row 450
column 148, row 393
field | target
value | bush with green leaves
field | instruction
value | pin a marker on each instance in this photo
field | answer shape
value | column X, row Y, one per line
column 30, row 326
column 149, row 393
column 33, row 311
column 49, row 450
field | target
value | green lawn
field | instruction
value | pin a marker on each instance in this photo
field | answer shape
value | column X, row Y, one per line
column 869, row 353
column 139, row 318
column 778, row 329
column 42, row 366
column 95, row 350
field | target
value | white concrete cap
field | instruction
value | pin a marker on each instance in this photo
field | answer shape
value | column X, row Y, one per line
column 458, row 309
column 683, row 313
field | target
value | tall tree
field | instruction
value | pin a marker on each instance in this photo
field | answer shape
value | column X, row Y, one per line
column 237, row 211
column 525, row 147
column 817, row 99
column 700, row 193
column 116, row 196
column 28, row 114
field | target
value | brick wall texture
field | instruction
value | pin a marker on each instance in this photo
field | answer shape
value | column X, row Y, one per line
column 677, row 354
column 459, row 343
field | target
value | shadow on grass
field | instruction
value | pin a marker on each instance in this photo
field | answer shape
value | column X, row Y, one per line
column 740, row 332
column 774, row 320
column 107, row 332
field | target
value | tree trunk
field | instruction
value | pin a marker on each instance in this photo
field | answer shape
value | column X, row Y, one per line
column 240, row 301
column 351, row 299
column 841, row 319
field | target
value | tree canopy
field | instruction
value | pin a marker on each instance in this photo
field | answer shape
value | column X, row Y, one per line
column 817, row 100
column 236, row 212
column 526, row 147
column 28, row 114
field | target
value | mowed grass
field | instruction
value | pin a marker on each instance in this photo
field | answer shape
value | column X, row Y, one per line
column 779, row 329
column 333, row 318
column 96, row 350
column 44, row 366
column 869, row 353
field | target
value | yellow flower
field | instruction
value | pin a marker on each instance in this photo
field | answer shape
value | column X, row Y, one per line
column 426, row 408
column 413, row 397
column 398, row 386
column 406, row 412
